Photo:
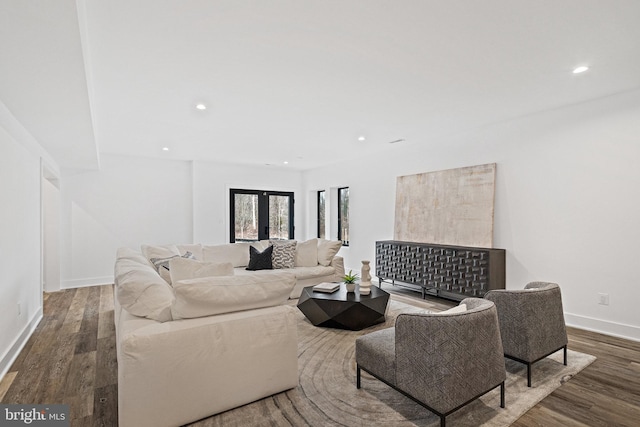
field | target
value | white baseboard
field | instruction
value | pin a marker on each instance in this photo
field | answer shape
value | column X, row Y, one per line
column 17, row 346
column 606, row 327
column 88, row 281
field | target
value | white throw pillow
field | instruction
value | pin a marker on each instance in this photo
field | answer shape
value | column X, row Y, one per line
column 235, row 253
column 195, row 249
column 184, row 269
column 162, row 265
column 453, row 310
column 165, row 251
column 307, row 253
column 225, row 294
column 327, row 249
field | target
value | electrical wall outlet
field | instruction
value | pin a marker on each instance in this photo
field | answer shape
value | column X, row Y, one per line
column 603, row 299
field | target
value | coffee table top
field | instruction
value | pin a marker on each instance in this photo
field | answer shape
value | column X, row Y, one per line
column 342, row 309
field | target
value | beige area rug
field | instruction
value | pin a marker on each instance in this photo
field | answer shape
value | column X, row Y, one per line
column 327, row 394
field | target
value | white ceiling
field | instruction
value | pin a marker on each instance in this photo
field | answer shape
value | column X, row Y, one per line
column 298, row 81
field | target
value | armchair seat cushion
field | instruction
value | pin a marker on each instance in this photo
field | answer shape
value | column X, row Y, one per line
column 442, row 361
column 377, row 353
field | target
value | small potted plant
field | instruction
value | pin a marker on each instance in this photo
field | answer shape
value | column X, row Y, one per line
column 350, row 280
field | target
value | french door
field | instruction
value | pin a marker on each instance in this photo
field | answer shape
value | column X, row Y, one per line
column 260, row 215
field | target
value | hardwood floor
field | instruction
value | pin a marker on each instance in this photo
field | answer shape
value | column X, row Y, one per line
column 71, row 359
column 606, row 393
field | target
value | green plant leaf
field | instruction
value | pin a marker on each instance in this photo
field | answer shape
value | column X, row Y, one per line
column 350, row 277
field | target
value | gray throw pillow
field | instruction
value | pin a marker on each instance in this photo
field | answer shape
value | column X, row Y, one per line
column 284, row 253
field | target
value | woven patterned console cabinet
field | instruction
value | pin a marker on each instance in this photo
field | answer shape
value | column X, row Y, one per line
column 453, row 272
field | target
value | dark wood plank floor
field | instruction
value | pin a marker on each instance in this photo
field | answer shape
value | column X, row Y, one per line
column 71, row 359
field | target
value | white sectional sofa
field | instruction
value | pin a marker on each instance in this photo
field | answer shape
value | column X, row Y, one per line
column 315, row 260
column 216, row 338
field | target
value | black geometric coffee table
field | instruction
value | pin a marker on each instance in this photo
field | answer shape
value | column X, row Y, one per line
column 342, row 309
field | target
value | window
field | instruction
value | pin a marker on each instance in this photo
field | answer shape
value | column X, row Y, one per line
column 343, row 215
column 321, row 214
column 260, row 215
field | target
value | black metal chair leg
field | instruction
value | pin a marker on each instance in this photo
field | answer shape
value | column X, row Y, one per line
column 443, row 420
column 502, row 395
column 565, row 355
column 357, row 376
column 528, row 374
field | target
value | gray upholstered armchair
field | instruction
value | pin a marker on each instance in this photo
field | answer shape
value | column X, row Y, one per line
column 440, row 360
column 531, row 322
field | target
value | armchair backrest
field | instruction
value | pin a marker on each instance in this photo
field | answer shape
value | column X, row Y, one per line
column 531, row 319
column 448, row 359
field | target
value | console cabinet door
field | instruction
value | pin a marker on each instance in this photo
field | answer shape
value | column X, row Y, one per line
column 453, row 272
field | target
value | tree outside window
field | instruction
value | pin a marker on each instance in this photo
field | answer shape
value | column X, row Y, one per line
column 343, row 215
column 280, row 217
column 245, row 217
column 259, row 215
column 321, row 214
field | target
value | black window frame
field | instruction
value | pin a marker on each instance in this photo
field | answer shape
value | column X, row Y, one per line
column 345, row 242
column 263, row 212
column 321, row 213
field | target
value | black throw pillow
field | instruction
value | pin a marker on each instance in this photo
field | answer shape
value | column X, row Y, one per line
column 260, row 260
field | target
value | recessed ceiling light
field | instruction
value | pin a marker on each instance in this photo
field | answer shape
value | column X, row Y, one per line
column 201, row 107
column 285, row 162
column 580, row 69
column 165, row 148
column 361, row 138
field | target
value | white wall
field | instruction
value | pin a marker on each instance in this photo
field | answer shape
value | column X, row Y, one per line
column 567, row 204
column 50, row 234
column 128, row 202
column 212, row 182
column 133, row 201
column 20, row 252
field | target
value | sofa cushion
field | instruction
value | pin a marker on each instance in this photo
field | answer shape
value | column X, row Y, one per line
column 195, row 249
column 224, row 294
column 235, row 253
column 284, row 253
column 327, row 249
column 166, row 251
column 260, row 260
column 184, row 268
column 158, row 254
column 317, row 271
column 307, row 253
column 162, row 265
column 140, row 290
column 299, row 272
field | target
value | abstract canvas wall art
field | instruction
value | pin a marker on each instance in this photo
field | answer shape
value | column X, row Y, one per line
column 453, row 207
